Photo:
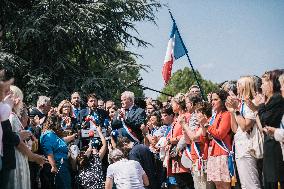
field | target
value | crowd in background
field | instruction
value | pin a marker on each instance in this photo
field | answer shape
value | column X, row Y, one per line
column 232, row 139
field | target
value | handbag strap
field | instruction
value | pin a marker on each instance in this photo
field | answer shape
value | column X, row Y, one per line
column 258, row 123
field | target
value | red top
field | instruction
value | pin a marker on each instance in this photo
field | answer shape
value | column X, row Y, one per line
column 177, row 127
column 220, row 129
column 177, row 133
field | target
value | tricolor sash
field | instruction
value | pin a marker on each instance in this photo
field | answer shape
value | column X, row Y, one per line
column 128, row 132
column 199, row 154
column 224, row 147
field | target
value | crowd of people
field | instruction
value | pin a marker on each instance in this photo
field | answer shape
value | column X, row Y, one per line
column 232, row 139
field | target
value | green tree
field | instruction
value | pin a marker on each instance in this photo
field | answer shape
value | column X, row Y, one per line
column 53, row 47
column 181, row 81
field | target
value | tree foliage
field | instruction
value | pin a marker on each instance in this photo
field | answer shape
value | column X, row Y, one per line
column 181, row 81
column 54, row 47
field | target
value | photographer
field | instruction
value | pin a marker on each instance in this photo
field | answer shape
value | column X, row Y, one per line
column 90, row 163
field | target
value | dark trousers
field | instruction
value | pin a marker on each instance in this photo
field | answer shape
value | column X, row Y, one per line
column 34, row 174
column 46, row 177
column 4, row 178
column 273, row 185
column 184, row 180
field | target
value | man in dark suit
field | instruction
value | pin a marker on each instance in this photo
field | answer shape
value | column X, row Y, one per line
column 99, row 115
column 76, row 105
column 131, row 115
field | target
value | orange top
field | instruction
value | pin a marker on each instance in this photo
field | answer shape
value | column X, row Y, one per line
column 177, row 130
column 220, row 129
column 177, row 133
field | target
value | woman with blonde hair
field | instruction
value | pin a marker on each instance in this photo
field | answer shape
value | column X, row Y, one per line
column 68, row 120
column 242, row 124
column 19, row 177
column 178, row 175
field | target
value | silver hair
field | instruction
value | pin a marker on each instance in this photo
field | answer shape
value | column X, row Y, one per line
column 42, row 100
column 128, row 94
column 115, row 155
column 75, row 93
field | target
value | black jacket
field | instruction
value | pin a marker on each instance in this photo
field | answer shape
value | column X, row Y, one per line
column 10, row 140
column 135, row 118
column 270, row 114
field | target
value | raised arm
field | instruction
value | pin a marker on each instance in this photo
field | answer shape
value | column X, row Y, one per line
column 103, row 149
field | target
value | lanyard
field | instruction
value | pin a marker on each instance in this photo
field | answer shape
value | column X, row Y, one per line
column 242, row 107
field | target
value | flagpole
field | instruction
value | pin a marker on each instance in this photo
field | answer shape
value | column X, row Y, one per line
column 186, row 52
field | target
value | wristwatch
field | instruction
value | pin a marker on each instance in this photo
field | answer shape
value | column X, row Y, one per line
column 237, row 112
column 206, row 125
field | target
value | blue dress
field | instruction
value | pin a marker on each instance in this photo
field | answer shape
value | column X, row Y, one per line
column 52, row 144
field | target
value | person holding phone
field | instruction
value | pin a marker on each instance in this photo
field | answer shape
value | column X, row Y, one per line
column 90, row 164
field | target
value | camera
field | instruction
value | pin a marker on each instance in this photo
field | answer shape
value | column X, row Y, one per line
column 91, row 133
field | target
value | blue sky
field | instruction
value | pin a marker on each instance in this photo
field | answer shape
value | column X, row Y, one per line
column 226, row 39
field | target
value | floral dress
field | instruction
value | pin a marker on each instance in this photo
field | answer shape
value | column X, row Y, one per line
column 91, row 176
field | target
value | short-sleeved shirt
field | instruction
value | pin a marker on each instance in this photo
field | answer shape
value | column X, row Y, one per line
column 52, row 144
column 241, row 137
column 127, row 174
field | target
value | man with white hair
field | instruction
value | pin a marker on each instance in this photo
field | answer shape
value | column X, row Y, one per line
column 37, row 116
column 42, row 108
column 130, row 119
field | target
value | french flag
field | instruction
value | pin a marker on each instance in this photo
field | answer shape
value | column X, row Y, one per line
column 175, row 50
